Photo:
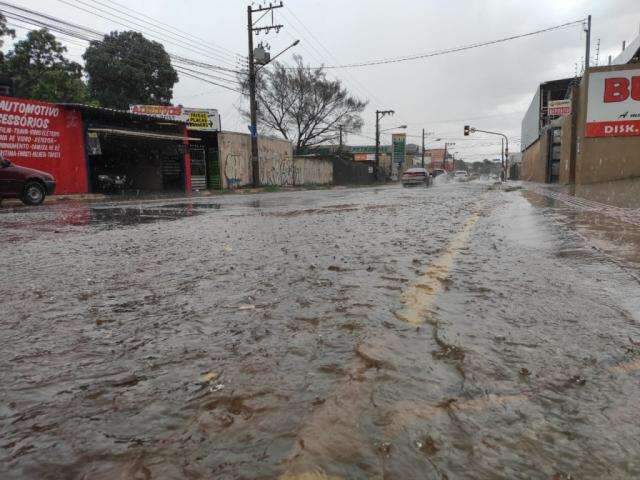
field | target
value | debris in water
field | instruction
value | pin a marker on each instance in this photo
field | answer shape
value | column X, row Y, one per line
column 577, row 380
column 209, row 376
column 427, row 445
column 384, row 448
column 525, row 372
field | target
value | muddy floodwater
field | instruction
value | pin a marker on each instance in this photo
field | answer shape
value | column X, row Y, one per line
column 460, row 331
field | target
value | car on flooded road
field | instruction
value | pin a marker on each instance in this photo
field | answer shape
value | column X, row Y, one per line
column 461, row 175
column 416, row 177
column 29, row 185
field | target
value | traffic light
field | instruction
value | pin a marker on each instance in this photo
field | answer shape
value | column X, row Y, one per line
column 466, row 130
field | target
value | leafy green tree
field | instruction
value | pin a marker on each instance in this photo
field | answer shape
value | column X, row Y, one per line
column 4, row 32
column 125, row 68
column 40, row 70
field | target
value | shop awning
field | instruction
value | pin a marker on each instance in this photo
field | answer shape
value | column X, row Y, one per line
column 142, row 134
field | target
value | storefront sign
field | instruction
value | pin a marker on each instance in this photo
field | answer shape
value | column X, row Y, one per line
column 203, row 119
column 364, row 157
column 46, row 137
column 559, row 108
column 613, row 108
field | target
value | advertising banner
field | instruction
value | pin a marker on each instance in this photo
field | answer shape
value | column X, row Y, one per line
column 559, row 108
column 613, row 104
column 202, row 119
column 46, row 137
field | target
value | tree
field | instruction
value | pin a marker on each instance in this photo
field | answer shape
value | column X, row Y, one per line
column 4, row 32
column 303, row 105
column 125, row 68
column 39, row 70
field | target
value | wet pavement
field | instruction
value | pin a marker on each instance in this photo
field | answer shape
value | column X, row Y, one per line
column 460, row 331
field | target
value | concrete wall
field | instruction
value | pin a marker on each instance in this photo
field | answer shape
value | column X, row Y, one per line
column 277, row 164
column 566, row 151
column 275, row 157
column 606, row 158
column 534, row 161
column 310, row 170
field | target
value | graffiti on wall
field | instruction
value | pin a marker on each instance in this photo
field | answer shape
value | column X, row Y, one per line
column 278, row 170
column 232, row 165
column 277, row 164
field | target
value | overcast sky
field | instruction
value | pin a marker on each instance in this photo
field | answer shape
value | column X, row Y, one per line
column 488, row 87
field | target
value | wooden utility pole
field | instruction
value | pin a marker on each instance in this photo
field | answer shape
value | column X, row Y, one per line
column 253, row 107
column 423, row 148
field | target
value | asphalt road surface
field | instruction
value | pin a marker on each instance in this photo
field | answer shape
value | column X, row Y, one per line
column 460, row 331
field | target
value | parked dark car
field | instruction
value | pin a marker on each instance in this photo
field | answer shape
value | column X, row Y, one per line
column 29, row 185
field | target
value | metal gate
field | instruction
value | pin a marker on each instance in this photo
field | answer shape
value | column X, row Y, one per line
column 213, row 166
column 553, row 163
column 198, row 167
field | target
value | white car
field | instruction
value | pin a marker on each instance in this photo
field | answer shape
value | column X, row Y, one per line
column 461, row 175
column 416, row 176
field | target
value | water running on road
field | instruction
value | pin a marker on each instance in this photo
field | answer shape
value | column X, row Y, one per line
column 452, row 332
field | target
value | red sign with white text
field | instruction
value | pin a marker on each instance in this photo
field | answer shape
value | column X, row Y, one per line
column 613, row 105
column 46, row 137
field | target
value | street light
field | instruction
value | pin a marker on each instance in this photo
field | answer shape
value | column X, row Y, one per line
column 399, row 127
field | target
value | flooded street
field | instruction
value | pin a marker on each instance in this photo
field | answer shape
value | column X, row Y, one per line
column 460, row 331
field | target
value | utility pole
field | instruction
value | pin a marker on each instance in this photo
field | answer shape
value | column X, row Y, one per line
column 379, row 115
column 253, row 107
column 423, row 148
column 444, row 159
column 587, row 55
column 502, row 158
column 340, row 147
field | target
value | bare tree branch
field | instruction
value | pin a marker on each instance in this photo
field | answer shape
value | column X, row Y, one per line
column 303, row 105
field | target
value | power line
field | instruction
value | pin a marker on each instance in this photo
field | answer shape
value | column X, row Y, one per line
column 367, row 93
column 194, row 45
column 187, row 34
column 89, row 35
column 188, row 74
column 453, row 49
column 119, row 21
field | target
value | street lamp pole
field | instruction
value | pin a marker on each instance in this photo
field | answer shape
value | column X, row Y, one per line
column 379, row 115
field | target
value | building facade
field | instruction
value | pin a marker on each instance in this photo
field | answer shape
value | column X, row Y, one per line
column 592, row 133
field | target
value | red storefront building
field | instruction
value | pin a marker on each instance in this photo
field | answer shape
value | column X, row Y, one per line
column 78, row 143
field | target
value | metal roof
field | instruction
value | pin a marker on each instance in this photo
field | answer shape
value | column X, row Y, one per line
column 115, row 113
column 632, row 50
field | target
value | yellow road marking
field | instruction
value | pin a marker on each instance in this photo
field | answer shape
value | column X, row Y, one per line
column 321, row 436
column 420, row 295
column 626, row 367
